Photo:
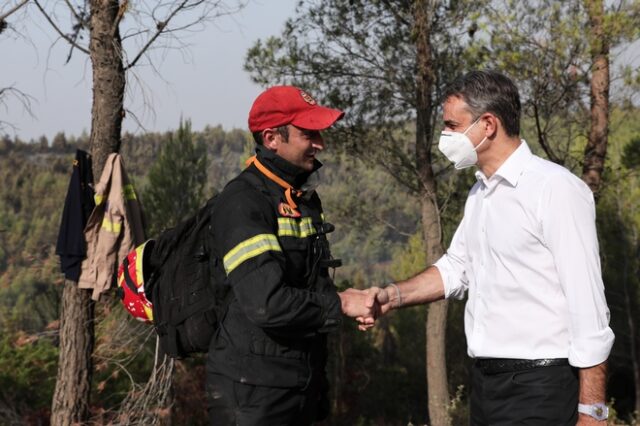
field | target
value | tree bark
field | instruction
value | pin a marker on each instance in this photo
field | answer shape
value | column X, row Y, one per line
column 73, row 383
column 436, row 367
column 107, row 110
column 73, row 387
column 596, row 149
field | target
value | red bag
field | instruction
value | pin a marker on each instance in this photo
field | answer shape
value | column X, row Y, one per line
column 132, row 274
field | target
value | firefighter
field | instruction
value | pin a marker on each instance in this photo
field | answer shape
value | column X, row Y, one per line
column 266, row 362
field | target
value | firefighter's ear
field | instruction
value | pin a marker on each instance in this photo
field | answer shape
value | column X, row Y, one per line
column 271, row 139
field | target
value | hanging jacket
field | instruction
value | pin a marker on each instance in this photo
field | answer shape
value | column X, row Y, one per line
column 276, row 260
column 115, row 227
column 78, row 205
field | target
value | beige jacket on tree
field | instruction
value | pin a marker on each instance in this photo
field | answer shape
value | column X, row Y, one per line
column 114, row 228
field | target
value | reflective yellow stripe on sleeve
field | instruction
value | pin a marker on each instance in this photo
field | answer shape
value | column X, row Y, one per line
column 288, row 227
column 110, row 226
column 248, row 249
column 129, row 192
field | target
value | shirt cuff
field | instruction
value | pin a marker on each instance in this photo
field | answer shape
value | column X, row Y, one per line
column 453, row 286
column 592, row 350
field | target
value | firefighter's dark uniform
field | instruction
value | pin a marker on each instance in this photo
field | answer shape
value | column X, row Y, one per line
column 266, row 362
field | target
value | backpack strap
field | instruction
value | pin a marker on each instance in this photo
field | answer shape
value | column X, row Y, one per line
column 127, row 277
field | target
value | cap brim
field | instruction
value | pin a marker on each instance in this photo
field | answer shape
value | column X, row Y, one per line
column 318, row 118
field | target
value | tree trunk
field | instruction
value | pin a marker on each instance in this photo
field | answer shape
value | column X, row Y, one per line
column 596, row 149
column 73, row 387
column 70, row 403
column 107, row 111
column 432, row 233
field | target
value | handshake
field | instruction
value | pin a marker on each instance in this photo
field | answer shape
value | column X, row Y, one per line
column 368, row 305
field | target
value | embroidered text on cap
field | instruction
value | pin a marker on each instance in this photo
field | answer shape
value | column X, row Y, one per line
column 307, row 98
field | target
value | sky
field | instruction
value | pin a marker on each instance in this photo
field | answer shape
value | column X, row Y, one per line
column 204, row 81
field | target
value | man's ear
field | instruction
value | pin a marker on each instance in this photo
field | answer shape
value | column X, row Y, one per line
column 270, row 139
column 491, row 124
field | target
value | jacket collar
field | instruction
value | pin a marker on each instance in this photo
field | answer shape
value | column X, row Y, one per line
column 294, row 175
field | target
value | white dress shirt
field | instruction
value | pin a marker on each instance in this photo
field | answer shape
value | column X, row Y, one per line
column 527, row 252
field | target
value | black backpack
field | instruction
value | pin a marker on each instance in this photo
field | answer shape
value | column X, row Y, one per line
column 187, row 286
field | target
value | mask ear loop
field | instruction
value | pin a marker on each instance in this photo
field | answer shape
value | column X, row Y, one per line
column 469, row 128
column 471, row 125
column 480, row 144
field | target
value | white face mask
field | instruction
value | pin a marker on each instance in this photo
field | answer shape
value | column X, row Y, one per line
column 458, row 148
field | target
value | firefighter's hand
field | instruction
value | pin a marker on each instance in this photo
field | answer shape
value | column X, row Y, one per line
column 360, row 304
column 379, row 301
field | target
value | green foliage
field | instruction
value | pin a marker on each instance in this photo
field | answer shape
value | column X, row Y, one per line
column 409, row 258
column 176, row 180
column 31, row 198
column 545, row 47
column 27, row 375
column 360, row 56
column 631, row 154
column 541, row 44
column 619, row 233
column 349, row 189
column 376, row 377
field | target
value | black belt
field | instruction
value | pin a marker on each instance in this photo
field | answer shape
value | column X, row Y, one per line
column 505, row 365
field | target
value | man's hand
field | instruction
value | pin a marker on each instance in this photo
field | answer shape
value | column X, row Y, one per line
column 357, row 303
column 380, row 302
column 364, row 305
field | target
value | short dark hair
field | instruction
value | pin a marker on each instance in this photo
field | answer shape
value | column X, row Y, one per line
column 489, row 91
column 283, row 130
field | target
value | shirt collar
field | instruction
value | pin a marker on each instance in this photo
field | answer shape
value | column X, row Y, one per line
column 512, row 168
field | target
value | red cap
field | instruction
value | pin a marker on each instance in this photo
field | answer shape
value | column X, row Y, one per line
column 282, row 105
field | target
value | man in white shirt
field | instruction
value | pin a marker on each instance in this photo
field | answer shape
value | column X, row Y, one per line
column 526, row 250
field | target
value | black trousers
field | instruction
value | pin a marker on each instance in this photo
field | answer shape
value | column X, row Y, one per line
column 239, row 404
column 544, row 396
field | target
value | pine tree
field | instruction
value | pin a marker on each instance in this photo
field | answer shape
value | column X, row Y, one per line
column 177, row 180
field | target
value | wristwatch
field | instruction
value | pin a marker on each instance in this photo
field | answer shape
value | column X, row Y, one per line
column 598, row 411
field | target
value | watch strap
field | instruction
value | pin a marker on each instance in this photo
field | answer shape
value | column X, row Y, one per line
column 598, row 411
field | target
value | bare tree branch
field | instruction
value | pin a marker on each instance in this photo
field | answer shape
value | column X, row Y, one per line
column 79, row 26
column 81, row 20
column 11, row 11
column 63, row 35
column 542, row 139
column 23, row 98
column 391, row 226
column 161, row 25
